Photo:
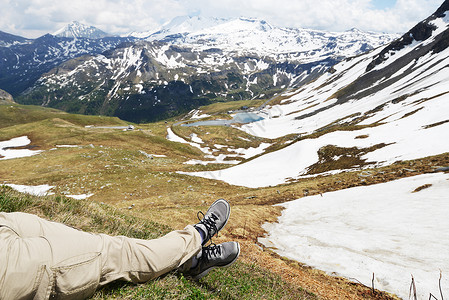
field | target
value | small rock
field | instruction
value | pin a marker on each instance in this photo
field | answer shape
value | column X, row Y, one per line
column 442, row 169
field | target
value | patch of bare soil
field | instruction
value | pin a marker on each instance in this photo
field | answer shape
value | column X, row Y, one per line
column 331, row 157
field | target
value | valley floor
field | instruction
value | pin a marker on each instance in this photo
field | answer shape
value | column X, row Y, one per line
column 136, row 172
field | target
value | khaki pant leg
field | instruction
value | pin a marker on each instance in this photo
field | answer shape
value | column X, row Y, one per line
column 29, row 225
column 138, row 260
column 22, row 264
column 49, row 258
column 71, row 264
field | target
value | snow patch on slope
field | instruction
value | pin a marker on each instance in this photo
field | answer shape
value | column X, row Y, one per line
column 7, row 150
column 36, row 190
column 383, row 229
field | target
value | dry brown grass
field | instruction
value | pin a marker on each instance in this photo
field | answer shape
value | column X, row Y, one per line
column 109, row 165
column 331, row 157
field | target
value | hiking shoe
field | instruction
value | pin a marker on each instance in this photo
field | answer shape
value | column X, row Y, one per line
column 214, row 220
column 214, row 256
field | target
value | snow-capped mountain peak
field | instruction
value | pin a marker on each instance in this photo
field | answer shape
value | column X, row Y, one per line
column 248, row 35
column 241, row 24
column 79, row 30
column 182, row 25
column 199, row 25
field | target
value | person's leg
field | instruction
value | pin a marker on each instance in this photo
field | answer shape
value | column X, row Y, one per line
column 50, row 257
column 47, row 258
column 72, row 263
column 150, row 258
column 153, row 258
column 29, row 225
column 22, row 264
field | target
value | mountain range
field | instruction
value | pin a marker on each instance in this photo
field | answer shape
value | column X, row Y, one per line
column 255, row 35
column 372, row 110
column 189, row 62
column 23, row 61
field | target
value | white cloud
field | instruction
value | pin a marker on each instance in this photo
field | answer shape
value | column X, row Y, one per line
column 340, row 15
column 32, row 18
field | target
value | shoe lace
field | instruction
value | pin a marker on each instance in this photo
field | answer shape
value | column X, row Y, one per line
column 209, row 222
column 211, row 251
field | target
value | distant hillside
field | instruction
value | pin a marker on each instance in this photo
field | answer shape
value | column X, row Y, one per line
column 25, row 60
column 7, row 40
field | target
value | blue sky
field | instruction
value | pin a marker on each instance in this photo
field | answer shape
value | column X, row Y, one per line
column 33, row 18
column 383, row 4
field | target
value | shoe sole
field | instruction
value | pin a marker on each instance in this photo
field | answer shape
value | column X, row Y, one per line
column 205, row 272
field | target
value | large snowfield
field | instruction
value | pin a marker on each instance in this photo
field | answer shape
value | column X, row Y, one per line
column 385, row 229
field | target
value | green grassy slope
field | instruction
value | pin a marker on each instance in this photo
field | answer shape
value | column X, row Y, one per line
column 240, row 281
column 15, row 114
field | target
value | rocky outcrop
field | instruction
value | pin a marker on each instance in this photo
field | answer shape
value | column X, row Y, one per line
column 5, row 98
column 421, row 32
